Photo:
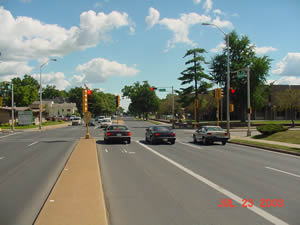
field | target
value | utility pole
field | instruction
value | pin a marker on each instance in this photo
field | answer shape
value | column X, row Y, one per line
column 248, row 100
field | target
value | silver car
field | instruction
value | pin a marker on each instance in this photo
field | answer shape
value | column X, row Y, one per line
column 210, row 134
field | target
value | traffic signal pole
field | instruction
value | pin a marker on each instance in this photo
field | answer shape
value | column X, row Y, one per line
column 248, row 98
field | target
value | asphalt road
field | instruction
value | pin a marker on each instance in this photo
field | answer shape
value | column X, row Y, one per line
column 185, row 183
column 30, row 163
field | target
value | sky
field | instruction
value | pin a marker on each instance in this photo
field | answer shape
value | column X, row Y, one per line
column 108, row 44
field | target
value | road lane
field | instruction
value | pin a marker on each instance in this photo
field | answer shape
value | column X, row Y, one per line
column 241, row 171
column 29, row 171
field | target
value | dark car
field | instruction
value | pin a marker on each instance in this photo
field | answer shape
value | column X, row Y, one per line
column 159, row 133
column 117, row 133
column 92, row 122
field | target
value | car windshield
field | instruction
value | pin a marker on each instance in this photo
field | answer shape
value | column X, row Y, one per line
column 214, row 129
column 106, row 120
column 117, row 128
column 162, row 129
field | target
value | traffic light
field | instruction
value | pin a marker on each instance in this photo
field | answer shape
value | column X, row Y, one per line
column 118, row 101
column 153, row 88
column 89, row 93
column 84, row 101
column 218, row 93
column 222, row 92
column 231, row 107
column 232, row 91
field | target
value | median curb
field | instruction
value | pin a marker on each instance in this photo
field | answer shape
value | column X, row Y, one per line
column 77, row 198
column 267, row 148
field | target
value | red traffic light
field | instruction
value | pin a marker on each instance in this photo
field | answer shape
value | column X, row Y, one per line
column 89, row 92
column 232, row 91
column 153, row 88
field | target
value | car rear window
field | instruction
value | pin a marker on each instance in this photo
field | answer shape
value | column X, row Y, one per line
column 214, row 129
column 117, row 128
column 162, row 129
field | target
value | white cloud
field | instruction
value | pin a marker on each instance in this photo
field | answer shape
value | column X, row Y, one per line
column 58, row 79
column 99, row 70
column 289, row 65
column 180, row 27
column 264, row 50
column 14, row 69
column 25, row 38
column 218, row 11
column 218, row 48
column 197, row 1
column 207, row 5
column 98, row 5
column 290, row 80
column 153, row 17
column 222, row 23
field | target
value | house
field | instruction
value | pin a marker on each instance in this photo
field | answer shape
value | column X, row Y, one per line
column 56, row 109
column 269, row 112
column 5, row 114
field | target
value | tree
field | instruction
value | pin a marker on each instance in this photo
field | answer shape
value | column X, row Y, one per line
column 25, row 91
column 194, row 74
column 143, row 100
column 165, row 106
column 242, row 55
column 288, row 99
column 50, row 92
column 75, row 96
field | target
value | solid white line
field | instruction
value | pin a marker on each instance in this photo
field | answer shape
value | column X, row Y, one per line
column 106, row 150
column 292, row 174
column 33, row 143
column 222, row 190
column 194, row 146
column 9, row 135
column 2, row 158
column 131, row 152
column 125, row 150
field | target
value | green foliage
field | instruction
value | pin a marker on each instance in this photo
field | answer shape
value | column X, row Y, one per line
column 50, row 92
column 242, row 55
column 143, row 100
column 269, row 129
column 194, row 74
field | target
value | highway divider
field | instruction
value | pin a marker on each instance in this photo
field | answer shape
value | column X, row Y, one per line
column 77, row 198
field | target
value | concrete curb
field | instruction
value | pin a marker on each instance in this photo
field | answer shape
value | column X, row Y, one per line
column 267, row 148
column 77, row 198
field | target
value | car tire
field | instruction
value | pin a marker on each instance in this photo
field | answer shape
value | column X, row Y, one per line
column 204, row 141
column 195, row 140
column 172, row 142
column 128, row 141
column 105, row 141
column 224, row 142
column 153, row 142
column 146, row 139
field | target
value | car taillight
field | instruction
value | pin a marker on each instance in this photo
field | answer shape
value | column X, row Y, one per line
column 226, row 134
column 129, row 134
column 172, row 134
column 208, row 133
column 108, row 134
column 156, row 134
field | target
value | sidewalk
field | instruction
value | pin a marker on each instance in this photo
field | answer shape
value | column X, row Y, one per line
column 49, row 127
column 268, row 142
column 77, row 198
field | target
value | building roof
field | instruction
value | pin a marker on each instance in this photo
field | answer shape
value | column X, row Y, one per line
column 15, row 108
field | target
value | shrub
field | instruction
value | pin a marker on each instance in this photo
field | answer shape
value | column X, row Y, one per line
column 269, row 129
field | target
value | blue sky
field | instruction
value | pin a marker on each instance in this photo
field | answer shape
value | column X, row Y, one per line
column 112, row 43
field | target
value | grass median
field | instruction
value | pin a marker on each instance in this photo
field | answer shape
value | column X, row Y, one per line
column 266, row 145
column 290, row 136
column 47, row 123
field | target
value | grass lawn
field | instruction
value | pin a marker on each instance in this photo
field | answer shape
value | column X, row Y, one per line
column 259, row 144
column 274, row 122
column 290, row 136
column 48, row 123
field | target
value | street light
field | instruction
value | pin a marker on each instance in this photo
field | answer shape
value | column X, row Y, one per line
column 228, row 73
column 12, row 103
column 41, row 66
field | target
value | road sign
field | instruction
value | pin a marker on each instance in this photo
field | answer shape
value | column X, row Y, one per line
column 241, row 74
column 25, row 118
column 162, row 90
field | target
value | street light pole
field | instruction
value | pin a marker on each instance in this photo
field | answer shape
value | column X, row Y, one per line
column 41, row 66
column 228, row 75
